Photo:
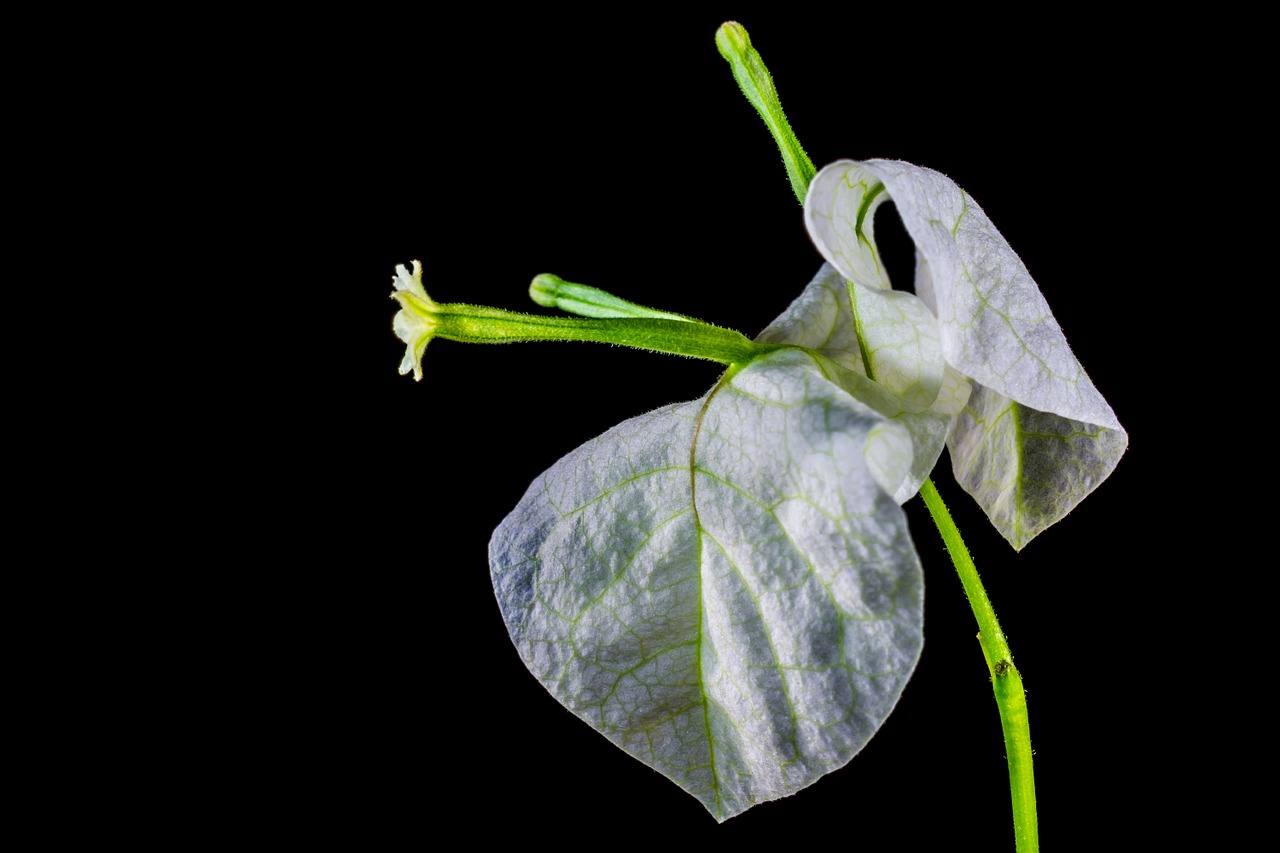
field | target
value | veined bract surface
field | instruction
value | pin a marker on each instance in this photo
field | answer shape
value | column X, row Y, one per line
column 724, row 588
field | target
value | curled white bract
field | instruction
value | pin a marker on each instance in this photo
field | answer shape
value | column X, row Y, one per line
column 1030, row 435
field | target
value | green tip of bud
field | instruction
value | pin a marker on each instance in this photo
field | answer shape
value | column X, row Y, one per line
column 545, row 289
column 732, row 38
column 757, row 86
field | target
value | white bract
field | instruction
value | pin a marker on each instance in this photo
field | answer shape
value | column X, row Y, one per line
column 1035, row 436
column 726, row 588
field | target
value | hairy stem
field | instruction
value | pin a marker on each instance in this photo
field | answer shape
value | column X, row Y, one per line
column 757, row 86
column 1005, row 679
column 609, row 320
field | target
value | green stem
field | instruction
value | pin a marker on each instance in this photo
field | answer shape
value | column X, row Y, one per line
column 1005, row 680
column 612, row 321
column 757, row 85
column 476, row 324
column 479, row 324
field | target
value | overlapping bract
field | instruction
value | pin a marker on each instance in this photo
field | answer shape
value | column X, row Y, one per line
column 726, row 588
column 1035, row 436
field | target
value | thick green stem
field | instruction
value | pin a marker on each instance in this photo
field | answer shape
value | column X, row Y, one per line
column 482, row 325
column 1006, row 681
column 610, row 320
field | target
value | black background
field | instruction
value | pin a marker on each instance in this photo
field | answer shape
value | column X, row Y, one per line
column 388, row 702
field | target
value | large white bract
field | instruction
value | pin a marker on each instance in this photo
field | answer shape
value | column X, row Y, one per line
column 726, row 588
